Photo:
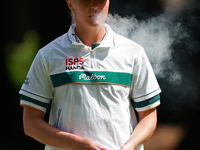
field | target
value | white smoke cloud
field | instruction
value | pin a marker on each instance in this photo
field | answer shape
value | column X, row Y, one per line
column 156, row 35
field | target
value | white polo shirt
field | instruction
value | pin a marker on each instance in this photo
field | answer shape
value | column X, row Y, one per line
column 92, row 89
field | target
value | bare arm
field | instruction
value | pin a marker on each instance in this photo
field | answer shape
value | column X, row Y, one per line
column 37, row 128
column 143, row 130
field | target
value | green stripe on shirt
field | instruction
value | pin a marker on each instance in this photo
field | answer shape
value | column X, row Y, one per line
column 146, row 102
column 28, row 99
column 35, row 94
column 147, row 94
column 91, row 77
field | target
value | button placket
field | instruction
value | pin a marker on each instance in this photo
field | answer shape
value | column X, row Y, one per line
column 92, row 58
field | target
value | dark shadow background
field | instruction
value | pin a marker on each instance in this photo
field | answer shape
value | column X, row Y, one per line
column 180, row 103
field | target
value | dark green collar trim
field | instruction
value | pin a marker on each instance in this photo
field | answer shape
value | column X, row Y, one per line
column 94, row 45
column 68, row 37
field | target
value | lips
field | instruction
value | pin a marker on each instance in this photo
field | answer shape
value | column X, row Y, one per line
column 97, row 15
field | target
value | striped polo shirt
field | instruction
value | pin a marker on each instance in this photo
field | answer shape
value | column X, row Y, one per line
column 93, row 90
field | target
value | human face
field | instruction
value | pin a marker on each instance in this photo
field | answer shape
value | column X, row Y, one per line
column 89, row 12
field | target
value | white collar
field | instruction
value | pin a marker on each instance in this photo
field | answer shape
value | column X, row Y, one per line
column 108, row 40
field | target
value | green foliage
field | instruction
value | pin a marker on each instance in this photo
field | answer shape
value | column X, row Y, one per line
column 20, row 56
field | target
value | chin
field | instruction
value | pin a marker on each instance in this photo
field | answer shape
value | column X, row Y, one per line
column 97, row 24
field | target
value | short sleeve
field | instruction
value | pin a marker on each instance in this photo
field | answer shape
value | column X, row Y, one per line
column 145, row 89
column 37, row 89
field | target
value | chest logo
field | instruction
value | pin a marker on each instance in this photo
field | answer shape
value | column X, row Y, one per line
column 75, row 64
column 92, row 77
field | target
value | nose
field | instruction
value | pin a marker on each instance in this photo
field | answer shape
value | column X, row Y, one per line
column 94, row 5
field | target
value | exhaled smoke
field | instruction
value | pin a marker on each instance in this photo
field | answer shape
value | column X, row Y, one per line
column 99, row 18
column 156, row 35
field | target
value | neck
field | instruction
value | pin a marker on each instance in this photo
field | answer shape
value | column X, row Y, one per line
column 90, row 35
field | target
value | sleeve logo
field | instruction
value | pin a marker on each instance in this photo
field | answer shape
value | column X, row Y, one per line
column 26, row 80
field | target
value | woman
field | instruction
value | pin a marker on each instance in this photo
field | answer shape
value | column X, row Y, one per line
column 91, row 74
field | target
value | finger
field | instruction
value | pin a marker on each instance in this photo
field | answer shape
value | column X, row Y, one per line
column 100, row 147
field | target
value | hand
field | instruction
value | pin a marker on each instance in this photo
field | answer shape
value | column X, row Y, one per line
column 85, row 144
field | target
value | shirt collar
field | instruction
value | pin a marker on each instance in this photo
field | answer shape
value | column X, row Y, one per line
column 108, row 40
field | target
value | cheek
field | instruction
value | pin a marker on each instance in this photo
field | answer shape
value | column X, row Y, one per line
column 79, row 14
column 106, row 8
column 79, row 11
column 105, row 12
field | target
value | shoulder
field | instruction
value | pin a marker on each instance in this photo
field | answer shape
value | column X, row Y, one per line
column 128, row 46
column 55, row 50
column 122, row 40
column 57, row 45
